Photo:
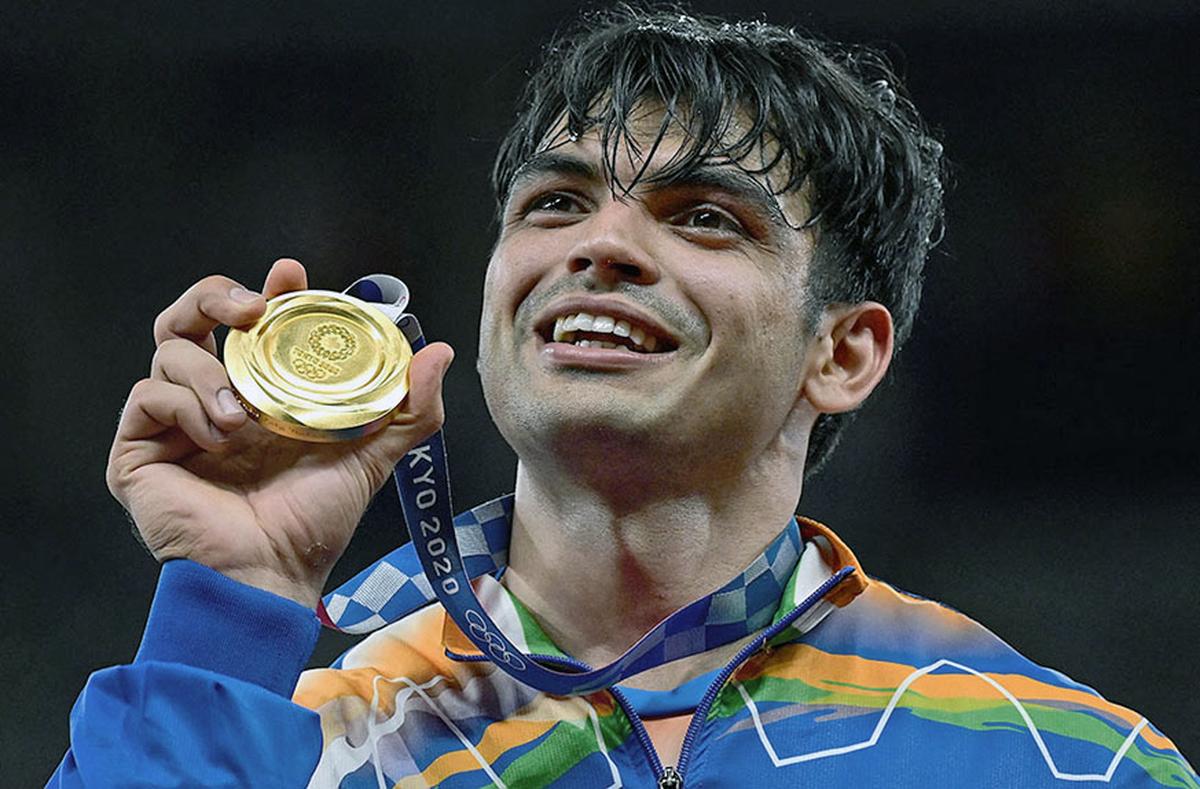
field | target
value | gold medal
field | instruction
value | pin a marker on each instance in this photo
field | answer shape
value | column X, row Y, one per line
column 319, row 366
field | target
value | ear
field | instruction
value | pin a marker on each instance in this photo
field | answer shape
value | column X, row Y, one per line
column 849, row 356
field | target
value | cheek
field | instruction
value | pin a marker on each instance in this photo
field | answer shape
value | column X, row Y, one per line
column 514, row 270
column 762, row 331
column 767, row 311
column 492, row 286
column 501, row 293
column 496, row 287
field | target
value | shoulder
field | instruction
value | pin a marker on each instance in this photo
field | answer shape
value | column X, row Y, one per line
column 888, row 621
column 893, row 667
column 919, row 637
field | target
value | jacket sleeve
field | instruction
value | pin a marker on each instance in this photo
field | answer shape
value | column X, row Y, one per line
column 207, row 699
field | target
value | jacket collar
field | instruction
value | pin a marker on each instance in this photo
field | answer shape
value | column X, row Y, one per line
column 824, row 554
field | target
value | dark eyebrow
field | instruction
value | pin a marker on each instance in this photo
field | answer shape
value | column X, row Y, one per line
column 550, row 163
column 734, row 181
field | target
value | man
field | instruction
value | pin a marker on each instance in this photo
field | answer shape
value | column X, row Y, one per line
column 711, row 244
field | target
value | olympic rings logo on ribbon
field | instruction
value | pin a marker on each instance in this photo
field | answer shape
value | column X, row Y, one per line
column 478, row 625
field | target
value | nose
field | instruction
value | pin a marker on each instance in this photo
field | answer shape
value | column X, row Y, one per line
column 613, row 246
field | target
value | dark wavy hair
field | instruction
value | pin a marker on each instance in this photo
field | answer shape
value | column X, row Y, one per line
column 840, row 122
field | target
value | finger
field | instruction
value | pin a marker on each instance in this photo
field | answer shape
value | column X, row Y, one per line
column 187, row 364
column 209, row 303
column 422, row 412
column 155, row 407
column 285, row 276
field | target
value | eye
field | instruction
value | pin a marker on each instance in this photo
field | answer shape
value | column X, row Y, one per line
column 710, row 218
column 556, row 202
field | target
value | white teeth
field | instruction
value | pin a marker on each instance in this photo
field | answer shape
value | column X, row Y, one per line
column 566, row 325
column 612, row 346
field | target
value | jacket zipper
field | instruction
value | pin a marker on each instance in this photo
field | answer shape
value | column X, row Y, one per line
column 670, row 777
column 673, row 777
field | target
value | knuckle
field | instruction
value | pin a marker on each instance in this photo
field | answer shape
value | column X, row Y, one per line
column 114, row 478
column 140, row 390
column 162, row 326
column 158, row 360
column 117, row 473
column 184, row 362
column 192, row 299
column 167, row 350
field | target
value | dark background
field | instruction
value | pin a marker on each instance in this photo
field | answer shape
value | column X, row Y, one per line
column 1033, row 462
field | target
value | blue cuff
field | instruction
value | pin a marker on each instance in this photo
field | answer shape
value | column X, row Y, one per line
column 206, row 620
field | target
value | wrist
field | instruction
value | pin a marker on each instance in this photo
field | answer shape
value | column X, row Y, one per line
column 304, row 592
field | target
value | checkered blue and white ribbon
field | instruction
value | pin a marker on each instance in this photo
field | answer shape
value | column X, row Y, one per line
column 446, row 552
column 395, row 585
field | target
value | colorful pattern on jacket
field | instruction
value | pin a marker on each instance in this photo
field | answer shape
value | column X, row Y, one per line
column 875, row 687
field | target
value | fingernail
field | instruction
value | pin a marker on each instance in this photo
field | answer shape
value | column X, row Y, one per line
column 241, row 294
column 228, row 403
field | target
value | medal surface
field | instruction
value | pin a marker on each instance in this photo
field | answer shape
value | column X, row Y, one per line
column 319, row 366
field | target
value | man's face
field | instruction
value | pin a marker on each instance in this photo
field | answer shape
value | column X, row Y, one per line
column 666, row 324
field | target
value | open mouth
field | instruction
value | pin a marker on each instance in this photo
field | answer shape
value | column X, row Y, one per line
column 584, row 330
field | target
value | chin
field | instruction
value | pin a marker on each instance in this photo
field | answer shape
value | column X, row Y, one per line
column 572, row 423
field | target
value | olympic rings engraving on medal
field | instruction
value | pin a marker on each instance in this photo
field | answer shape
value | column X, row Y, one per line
column 309, row 365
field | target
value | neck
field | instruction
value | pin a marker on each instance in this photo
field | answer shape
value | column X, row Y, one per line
column 599, row 573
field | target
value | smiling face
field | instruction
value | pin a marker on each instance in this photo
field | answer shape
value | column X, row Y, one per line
column 665, row 325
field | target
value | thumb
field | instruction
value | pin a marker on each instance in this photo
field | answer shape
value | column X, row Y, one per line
column 422, row 412
column 428, row 367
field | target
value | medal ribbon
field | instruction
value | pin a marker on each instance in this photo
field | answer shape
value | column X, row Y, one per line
column 401, row 582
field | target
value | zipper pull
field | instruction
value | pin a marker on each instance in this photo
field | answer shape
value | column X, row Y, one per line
column 670, row 779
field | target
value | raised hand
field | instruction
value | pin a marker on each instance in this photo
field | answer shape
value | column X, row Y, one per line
column 204, row 482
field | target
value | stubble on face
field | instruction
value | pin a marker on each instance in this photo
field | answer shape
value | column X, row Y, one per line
column 703, row 403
